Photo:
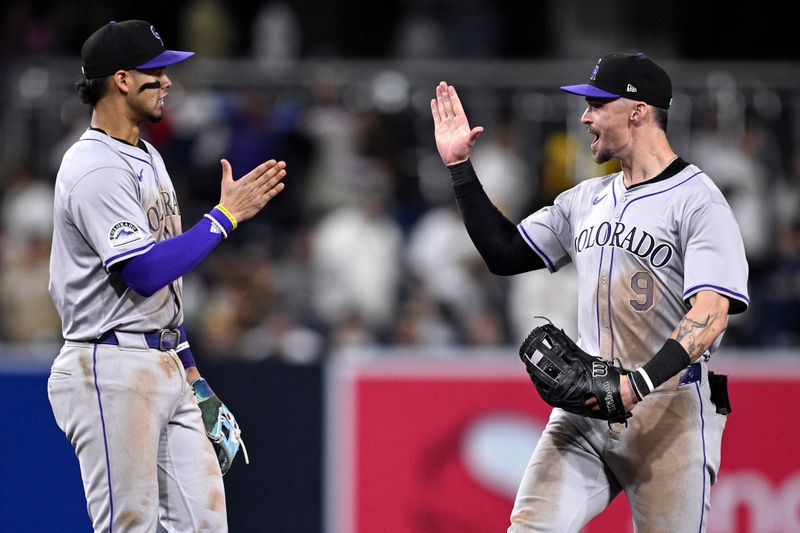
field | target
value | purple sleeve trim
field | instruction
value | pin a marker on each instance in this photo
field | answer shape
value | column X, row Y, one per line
column 739, row 302
column 538, row 250
column 170, row 259
column 716, row 288
column 220, row 217
column 185, row 355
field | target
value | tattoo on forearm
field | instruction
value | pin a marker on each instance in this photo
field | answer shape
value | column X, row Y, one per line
column 692, row 330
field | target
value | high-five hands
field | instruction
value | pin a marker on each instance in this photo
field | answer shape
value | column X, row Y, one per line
column 246, row 196
column 454, row 138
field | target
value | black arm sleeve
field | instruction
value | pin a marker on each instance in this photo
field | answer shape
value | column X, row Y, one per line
column 496, row 238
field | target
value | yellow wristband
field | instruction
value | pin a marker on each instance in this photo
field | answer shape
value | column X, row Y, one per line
column 227, row 214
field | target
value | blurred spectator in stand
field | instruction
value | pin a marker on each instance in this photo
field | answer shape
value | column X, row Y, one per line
column 281, row 336
column 786, row 193
column 540, row 293
column 422, row 319
column 233, row 300
column 259, row 127
column 253, row 128
column 723, row 147
column 420, row 33
column 28, row 30
column 356, row 260
column 474, row 28
column 219, row 304
column 198, row 137
column 333, row 133
column 553, row 296
column 743, row 181
column 73, row 120
column 508, row 181
column 430, row 29
column 778, row 322
column 27, row 312
column 441, row 256
column 558, row 167
column 776, row 298
column 281, row 328
column 207, row 28
column 276, row 35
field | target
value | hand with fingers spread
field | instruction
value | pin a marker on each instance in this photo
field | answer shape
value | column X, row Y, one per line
column 248, row 195
column 454, row 138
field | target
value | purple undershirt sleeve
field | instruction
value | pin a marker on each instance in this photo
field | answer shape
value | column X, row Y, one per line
column 172, row 258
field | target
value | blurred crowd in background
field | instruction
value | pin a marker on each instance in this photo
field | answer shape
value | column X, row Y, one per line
column 365, row 247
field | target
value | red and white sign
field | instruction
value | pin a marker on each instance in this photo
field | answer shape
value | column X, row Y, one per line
column 441, row 446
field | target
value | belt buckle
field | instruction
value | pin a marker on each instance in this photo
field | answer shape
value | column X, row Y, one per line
column 168, row 339
column 693, row 373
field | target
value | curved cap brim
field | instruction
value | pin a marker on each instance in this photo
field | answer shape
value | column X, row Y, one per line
column 588, row 90
column 166, row 58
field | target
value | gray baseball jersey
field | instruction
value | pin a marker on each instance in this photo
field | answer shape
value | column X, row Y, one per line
column 640, row 254
column 113, row 201
column 126, row 408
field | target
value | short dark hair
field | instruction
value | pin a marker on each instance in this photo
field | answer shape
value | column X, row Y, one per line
column 661, row 117
column 91, row 90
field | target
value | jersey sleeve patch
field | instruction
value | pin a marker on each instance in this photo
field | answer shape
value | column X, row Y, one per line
column 123, row 233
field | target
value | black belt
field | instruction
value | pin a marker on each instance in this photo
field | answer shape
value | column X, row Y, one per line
column 166, row 339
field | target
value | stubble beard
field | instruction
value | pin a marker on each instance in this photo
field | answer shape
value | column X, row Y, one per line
column 602, row 156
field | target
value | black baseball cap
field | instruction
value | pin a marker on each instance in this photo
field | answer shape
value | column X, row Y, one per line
column 125, row 45
column 633, row 76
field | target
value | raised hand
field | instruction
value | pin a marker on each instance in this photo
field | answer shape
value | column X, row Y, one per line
column 249, row 194
column 454, row 138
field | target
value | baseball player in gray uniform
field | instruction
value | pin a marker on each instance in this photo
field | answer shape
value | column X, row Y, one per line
column 660, row 265
column 125, row 388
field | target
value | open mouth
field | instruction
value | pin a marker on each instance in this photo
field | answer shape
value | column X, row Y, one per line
column 595, row 135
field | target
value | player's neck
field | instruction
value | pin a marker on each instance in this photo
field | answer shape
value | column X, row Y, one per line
column 647, row 165
column 116, row 125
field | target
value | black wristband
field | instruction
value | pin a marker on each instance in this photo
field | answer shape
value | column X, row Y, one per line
column 668, row 361
column 462, row 173
column 635, row 388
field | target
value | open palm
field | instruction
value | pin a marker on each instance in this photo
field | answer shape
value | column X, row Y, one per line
column 454, row 138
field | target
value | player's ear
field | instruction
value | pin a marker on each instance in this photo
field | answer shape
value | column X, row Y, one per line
column 122, row 81
column 638, row 111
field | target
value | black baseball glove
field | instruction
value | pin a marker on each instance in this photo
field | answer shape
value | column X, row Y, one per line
column 566, row 376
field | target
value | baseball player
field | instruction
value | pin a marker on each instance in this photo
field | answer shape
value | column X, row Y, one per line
column 660, row 265
column 125, row 388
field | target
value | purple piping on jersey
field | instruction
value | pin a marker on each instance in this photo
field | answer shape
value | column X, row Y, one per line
column 703, row 439
column 597, row 296
column 105, row 443
column 717, row 289
column 129, row 252
column 655, row 193
column 139, row 159
column 610, row 318
column 599, row 271
column 538, row 250
column 614, row 193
